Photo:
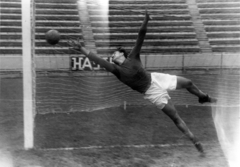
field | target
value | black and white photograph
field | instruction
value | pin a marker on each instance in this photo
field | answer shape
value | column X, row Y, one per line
column 119, row 83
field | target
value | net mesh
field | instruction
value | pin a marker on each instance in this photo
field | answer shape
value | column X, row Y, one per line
column 115, row 23
column 72, row 94
column 87, row 93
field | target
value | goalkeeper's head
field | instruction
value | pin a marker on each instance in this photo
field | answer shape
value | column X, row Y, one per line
column 119, row 56
column 122, row 50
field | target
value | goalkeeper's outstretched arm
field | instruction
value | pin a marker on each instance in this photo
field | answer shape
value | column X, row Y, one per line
column 76, row 45
column 141, row 35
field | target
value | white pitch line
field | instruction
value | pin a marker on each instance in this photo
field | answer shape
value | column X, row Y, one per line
column 114, row 146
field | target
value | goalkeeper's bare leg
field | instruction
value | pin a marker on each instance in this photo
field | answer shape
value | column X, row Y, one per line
column 192, row 88
column 171, row 111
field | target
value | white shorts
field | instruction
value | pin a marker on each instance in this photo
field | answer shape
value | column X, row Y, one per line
column 161, row 83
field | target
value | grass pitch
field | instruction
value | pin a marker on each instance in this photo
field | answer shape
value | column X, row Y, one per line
column 110, row 127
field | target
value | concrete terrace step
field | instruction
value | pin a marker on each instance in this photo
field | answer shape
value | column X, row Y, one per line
column 64, row 36
column 220, row 22
column 148, row 40
column 215, row 1
column 55, row 1
column 57, row 23
column 43, row 43
column 146, row 2
column 11, row 23
column 233, row 34
column 54, row 50
column 137, row 18
column 149, row 36
column 140, row 2
column 222, row 28
column 219, row 5
column 116, row 43
column 11, row 1
column 220, row 10
column 150, row 29
column 60, row 29
column 225, row 42
column 13, row 47
column 11, row 10
column 125, row 12
column 138, row 23
column 10, row 29
column 10, row 50
column 226, row 48
column 11, row 43
column 230, row 16
column 70, row 33
column 10, row 40
column 10, row 4
column 10, row 17
column 56, row 6
column 142, row 7
column 57, row 17
column 155, row 49
column 224, row 32
column 10, row 35
column 56, row 12
column 219, row 39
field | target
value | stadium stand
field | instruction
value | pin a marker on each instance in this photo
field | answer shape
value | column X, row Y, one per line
column 61, row 15
column 10, row 27
column 221, row 22
column 165, row 34
column 213, row 27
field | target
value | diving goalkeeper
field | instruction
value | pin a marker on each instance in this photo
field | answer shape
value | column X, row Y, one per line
column 154, row 86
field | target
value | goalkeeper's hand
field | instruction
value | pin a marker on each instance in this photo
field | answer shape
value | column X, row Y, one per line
column 75, row 45
column 147, row 15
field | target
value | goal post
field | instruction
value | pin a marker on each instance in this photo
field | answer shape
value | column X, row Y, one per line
column 28, row 73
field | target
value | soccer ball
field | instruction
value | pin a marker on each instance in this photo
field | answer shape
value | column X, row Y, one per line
column 53, row 37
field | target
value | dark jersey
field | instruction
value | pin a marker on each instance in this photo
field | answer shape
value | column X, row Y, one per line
column 133, row 74
column 131, row 71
